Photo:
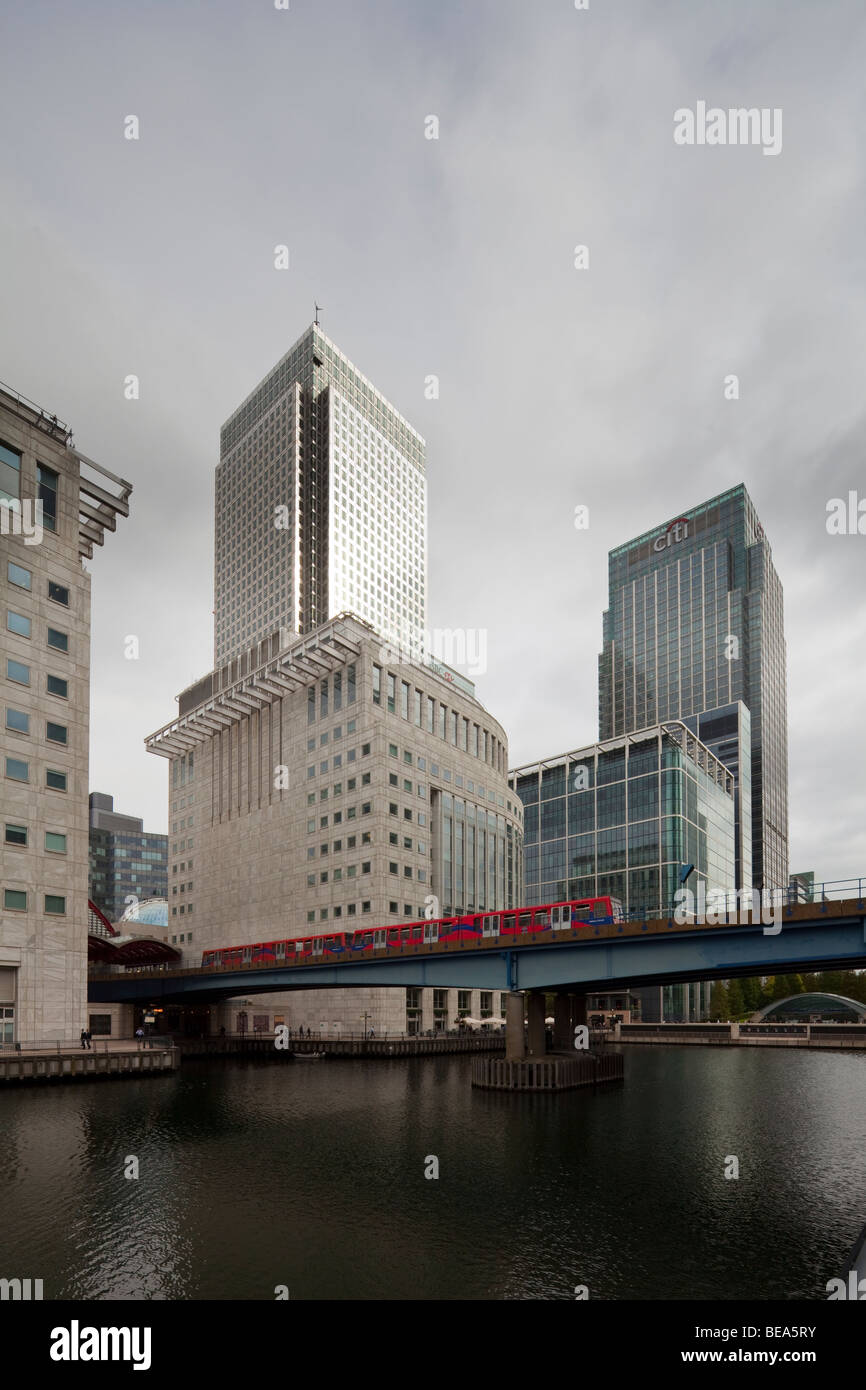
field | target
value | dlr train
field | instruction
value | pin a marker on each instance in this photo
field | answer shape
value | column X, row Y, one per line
column 479, row 926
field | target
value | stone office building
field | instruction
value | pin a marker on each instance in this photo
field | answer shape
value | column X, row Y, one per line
column 55, row 505
column 314, row 786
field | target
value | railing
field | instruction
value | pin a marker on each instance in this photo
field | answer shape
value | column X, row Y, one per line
column 100, row 1044
column 832, row 890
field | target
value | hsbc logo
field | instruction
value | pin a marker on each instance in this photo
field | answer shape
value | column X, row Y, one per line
column 676, row 531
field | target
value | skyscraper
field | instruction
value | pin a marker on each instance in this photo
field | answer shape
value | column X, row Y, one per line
column 695, row 623
column 321, row 506
column 327, row 775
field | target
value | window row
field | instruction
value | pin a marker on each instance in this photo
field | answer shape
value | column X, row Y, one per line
column 18, row 720
column 15, row 900
column 435, row 718
column 331, row 693
column 55, row 843
column 18, row 770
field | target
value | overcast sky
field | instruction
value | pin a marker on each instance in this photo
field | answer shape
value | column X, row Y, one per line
column 559, row 387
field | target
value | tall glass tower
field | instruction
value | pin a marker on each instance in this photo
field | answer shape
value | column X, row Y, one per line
column 694, row 626
column 321, row 506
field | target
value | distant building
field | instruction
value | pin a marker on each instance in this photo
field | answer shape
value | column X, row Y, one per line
column 127, row 863
column 812, row 1008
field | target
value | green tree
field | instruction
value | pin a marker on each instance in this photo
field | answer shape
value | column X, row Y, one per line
column 751, row 988
column 735, row 1000
column 719, row 1008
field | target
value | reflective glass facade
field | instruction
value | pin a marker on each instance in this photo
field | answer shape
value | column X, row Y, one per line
column 126, row 861
column 623, row 817
column 695, row 623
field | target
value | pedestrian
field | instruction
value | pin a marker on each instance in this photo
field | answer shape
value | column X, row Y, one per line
column 88, row 1036
column 83, row 1039
column 309, row 1032
column 139, row 1034
column 223, row 1031
column 372, row 1034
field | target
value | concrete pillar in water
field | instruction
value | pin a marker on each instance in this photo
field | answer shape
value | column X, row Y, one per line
column 535, row 1012
column 563, row 1031
column 515, row 1040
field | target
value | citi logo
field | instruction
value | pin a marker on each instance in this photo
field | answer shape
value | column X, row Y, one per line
column 76, row 1343
column 19, row 1290
column 677, row 531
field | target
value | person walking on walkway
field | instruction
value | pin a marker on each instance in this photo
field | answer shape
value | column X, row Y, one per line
column 89, row 1039
column 139, row 1034
column 84, row 1039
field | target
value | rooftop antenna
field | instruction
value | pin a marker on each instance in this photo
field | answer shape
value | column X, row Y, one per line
column 318, row 311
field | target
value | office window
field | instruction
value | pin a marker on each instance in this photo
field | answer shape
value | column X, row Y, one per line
column 377, row 685
column 57, row 639
column 54, row 905
column 14, row 900
column 17, row 671
column 19, row 721
column 47, row 492
column 17, row 623
column 404, row 699
column 16, row 574
column 17, row 770
column 10, row 475
column 16, row 834
column 56, row 685
column 392, row 693
column 57, row 733
column 54, row 842
column 58, row 593
column 55, row 779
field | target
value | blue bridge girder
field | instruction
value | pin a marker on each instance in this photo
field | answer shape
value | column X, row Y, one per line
column 821, row 937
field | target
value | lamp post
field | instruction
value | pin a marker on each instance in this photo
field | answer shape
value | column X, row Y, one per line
column 686, row 871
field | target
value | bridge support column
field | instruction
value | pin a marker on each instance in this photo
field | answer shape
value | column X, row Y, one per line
column 563, row 1033
column 515, row 1039
column 535, row 1013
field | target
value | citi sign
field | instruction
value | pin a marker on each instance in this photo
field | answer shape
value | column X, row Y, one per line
column 677, row 531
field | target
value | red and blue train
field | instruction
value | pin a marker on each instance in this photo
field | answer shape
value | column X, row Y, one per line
column 471, row 927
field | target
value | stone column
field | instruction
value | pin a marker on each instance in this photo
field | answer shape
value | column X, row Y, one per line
column 515, row 1040
column 535, row 1012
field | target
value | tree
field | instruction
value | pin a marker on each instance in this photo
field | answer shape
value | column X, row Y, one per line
column 735, row 999
column 751, row 988
column 719, row 1007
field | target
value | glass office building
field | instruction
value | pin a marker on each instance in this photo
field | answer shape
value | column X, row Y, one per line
column 623, row 816
column 694, row 626
column 127, row 863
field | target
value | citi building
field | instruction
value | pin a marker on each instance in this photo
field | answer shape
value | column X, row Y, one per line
column 694, row 631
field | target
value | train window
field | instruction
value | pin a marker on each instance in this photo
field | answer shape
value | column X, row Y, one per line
column 509, row 921
column 491, row 925
column 582, row 911
column 318, row 945
column 542, row 919
column 431, row 931
column 378, row 939
column 281, row 950
column 406, row 934
column 247, row 954
column 524, row 919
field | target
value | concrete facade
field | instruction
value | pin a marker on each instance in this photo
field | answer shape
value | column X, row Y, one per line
column 318, row 787
column 44, row 731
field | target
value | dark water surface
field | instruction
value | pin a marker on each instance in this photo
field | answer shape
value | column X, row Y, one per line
column 254, row 1174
